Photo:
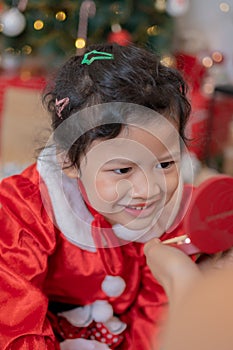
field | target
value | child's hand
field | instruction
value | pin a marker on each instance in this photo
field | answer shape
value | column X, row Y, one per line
column 82, row 344
column 174, row 270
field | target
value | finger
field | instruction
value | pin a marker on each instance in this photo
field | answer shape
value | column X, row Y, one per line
column 150, row 244
column 173, row 269
column 164, row 255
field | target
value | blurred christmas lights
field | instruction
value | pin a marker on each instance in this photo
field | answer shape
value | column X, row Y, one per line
column 217, row 57
column 207, row 62
column 153, row 30
column 80, row 43
column 38, row 24
column 60, row 16
column 168, row 60
column 224, row 7
column 160, row 5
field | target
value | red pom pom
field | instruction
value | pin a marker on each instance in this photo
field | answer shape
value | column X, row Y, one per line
column 122, row 37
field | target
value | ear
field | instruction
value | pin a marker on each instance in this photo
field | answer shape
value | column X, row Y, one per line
column 64, row 162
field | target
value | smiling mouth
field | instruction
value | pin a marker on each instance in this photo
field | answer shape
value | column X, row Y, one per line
column 139, row 207
column 141, row 210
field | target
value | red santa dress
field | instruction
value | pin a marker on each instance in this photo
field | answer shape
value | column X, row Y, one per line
column 56, row 284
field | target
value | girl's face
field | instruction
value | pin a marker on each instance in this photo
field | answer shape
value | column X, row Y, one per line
column 133, row 179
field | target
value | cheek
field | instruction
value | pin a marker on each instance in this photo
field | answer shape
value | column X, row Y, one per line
column 172, row 183
column 106, row 189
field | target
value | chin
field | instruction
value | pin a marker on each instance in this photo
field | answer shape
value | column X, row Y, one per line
column 151, row 233
column 138, row 227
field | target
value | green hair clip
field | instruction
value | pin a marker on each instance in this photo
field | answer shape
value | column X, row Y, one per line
column 98, row 55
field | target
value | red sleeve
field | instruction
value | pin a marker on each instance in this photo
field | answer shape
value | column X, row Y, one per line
column 24, row 250
column 145, row 318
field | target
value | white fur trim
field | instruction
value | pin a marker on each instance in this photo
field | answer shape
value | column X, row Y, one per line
column 123, row 232
column 79, row 317
column 102, row 311
column 72, row 216
column 113, row 286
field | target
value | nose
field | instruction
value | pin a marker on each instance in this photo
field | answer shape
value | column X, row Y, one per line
column 145, row 185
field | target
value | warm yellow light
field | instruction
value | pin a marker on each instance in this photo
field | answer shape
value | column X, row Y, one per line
column 60, row 16
column 116, row 27
column 115, row 8
column 217, row 56
column 153, row 30
column 208, row 88
column 80, row 43
column 1, row 27
column 25, row 75
column 26, row 49
column 160, row 5
column 224, row 7
column 38, row 25
column 168, row 61
column 207, row 62
column 10, row 50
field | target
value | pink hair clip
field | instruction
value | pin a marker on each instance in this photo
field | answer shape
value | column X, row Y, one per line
column 60, row 105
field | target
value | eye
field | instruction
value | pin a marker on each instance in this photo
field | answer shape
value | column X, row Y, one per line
column 122, row 171
column 165, row 165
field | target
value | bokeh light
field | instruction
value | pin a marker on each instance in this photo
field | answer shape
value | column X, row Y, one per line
column 38, row 24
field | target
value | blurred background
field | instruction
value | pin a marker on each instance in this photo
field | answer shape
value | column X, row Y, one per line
column 195, row 36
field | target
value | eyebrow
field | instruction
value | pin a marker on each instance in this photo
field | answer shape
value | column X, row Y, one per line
column 121, row 161
column 174, row 155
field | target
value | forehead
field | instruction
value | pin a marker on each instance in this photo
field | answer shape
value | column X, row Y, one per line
column 138, row 143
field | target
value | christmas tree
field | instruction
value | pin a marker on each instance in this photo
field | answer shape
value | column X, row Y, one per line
column 49, row 29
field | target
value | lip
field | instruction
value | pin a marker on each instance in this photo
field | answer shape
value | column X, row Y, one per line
column 144, row 212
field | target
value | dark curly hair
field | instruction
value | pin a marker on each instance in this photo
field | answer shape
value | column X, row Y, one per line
column 135, row 75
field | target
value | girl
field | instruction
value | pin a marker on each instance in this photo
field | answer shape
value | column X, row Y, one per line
column 73, row 226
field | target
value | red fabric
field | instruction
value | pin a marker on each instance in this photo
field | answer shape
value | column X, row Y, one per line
column 95, row 331
column 37, row 264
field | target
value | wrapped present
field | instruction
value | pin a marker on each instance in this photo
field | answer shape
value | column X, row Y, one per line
column 23, row 120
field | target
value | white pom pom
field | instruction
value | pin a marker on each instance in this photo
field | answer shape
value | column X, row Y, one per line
column 115, row 325
column 113, row 286
column 79, row 317
column 13, row 22
column 101, row 311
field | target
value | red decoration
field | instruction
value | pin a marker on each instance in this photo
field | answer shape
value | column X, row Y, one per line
column 209, row 122
column 193, row 70
column 209, row 219
column 122, row 37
